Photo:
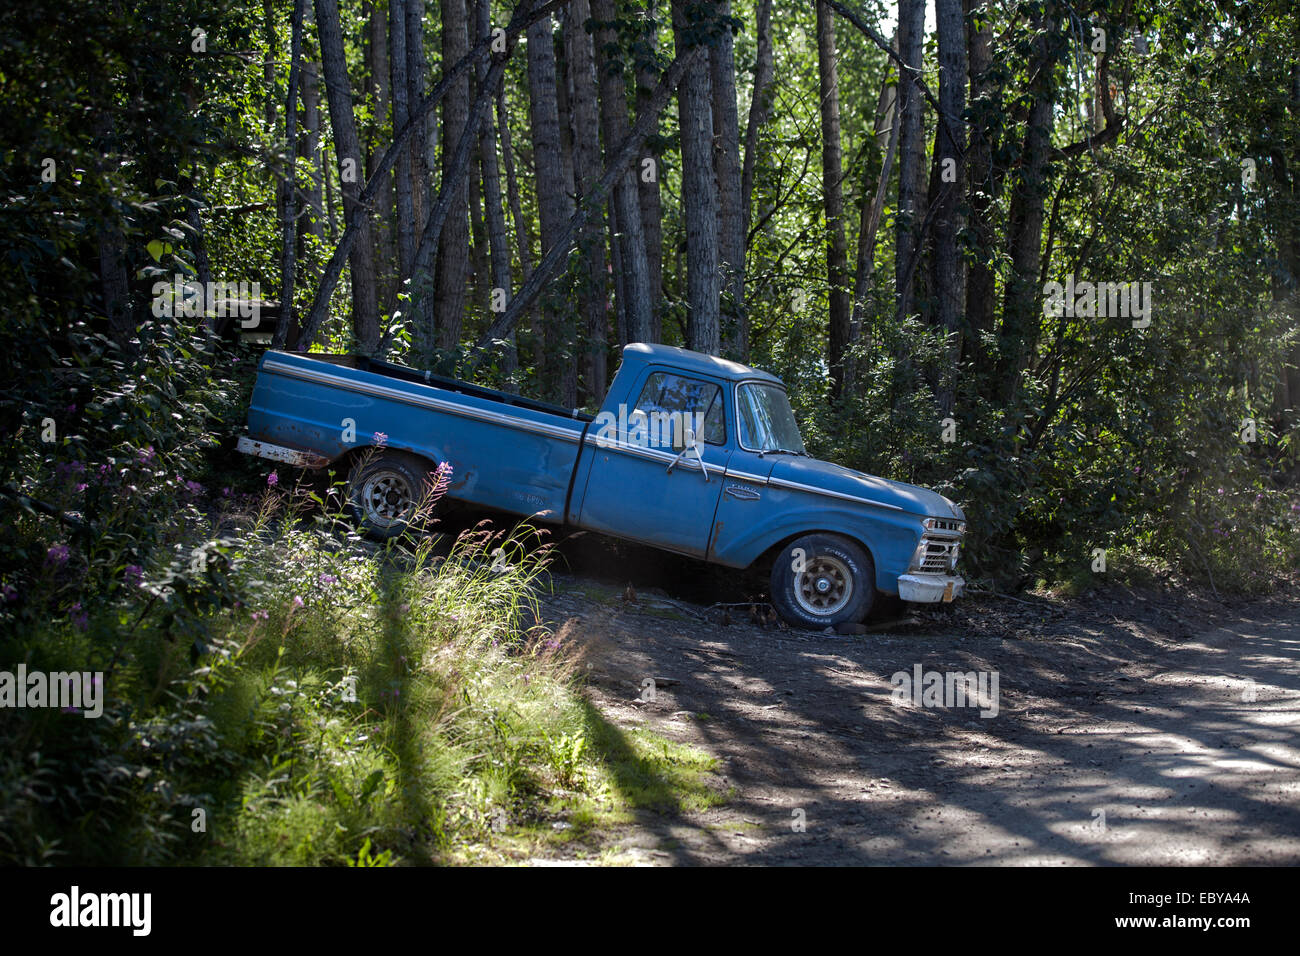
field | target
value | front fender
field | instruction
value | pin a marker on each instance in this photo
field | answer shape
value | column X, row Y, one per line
column 745, row 529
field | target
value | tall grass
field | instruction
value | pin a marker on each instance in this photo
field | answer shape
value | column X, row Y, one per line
column 283, row 692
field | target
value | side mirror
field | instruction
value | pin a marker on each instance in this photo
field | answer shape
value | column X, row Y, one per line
column 693, row 448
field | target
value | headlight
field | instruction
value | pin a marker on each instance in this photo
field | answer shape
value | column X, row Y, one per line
column 951, row 525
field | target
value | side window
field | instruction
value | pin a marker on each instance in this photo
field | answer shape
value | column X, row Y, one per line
column 673, row 403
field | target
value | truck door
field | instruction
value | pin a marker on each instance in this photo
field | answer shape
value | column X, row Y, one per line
column 645, row 483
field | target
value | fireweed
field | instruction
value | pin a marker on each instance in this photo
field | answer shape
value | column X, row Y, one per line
column 351, row 704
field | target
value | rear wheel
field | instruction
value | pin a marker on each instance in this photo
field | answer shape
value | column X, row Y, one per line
column 823, row 580
column 384, row 493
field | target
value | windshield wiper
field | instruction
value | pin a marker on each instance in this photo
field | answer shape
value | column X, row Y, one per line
column 782, row 451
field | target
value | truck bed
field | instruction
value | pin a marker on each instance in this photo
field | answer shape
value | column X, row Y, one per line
column 506, row 451
column 406, row 374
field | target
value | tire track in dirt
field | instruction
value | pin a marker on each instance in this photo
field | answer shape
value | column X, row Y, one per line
column 1123, row 735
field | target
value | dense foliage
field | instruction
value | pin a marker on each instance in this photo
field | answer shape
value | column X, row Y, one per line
column 146, row 141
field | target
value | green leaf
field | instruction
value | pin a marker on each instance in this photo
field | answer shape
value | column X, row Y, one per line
column 157, row 248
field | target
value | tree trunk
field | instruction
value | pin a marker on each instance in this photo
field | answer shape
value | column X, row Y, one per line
column 1287, row 399
column 911, row 152
column 567, row 329
column 949, row 277
column 632, row 267
column 272, row 37
column 648, row 196
column 289, row 222
column 1022, row 302
column 617, row 276
column 402, row 181
column 498, row 246
column 416, row 64
column 202, row 264
column 329, row 199
column 564, row 106
column 759, row 107
column 459, row 161
column 837, row 247
column 114, row 284
column 479, row 278
column 271, row 107
column 523, row 241
column 315, row 223
column 587, row 170
column 424, row 141
column 453, row 251
column 699, row 190
column 873, row 204
column 726, row 168
column 365, row 317
column 980, row 282
column 554, row 201
column 385, row 239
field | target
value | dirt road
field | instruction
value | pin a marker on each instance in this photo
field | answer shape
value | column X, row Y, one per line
column 1145, row 730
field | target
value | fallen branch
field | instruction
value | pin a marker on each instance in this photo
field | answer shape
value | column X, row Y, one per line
column 1008, row 597
column 651, row 601
column 35, row 504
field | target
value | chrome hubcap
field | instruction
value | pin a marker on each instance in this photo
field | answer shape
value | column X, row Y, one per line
column 386, row 498
column 824, row 586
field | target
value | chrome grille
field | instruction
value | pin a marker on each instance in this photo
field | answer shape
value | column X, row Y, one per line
column 938, row 556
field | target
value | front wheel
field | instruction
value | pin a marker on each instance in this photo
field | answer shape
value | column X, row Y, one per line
column 823, row 580
column 384, row 493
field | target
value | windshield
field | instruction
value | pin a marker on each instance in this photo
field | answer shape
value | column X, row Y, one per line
column 766, row 420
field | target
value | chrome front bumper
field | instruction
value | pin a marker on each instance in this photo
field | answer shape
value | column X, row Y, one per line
column 930, row 588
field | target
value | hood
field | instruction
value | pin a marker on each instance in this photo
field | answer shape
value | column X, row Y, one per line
column 846, row 481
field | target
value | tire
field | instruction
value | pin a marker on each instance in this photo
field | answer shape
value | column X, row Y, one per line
column 384, row 492
column 837, row 583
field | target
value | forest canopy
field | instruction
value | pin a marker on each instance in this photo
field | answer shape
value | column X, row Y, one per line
column 1038, row 255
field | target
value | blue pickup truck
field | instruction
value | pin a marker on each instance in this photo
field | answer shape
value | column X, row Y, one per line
column 689, row 453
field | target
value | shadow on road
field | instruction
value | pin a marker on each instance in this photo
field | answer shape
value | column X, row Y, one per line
column 1111, row 744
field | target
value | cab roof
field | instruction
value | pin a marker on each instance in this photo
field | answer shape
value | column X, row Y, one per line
column 688, row 361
